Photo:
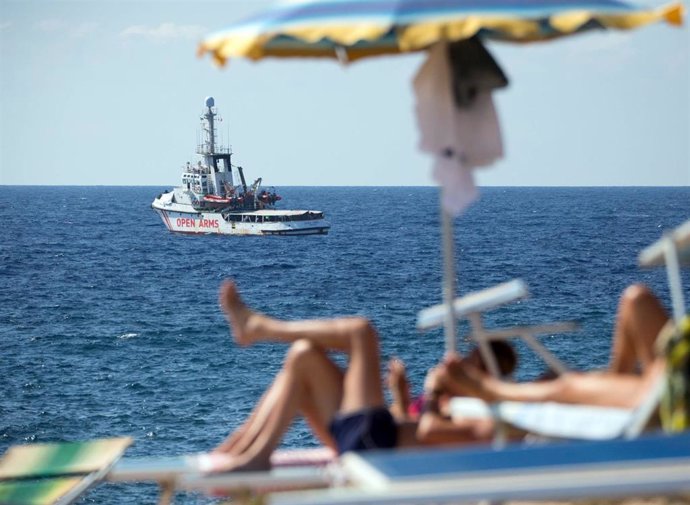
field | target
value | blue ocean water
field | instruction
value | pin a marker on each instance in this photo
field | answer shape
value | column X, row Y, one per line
column 109, row 324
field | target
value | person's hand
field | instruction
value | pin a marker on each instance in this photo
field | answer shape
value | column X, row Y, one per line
column 451, row 359
column 434, row 380
column 397, row 378
column 465, row 379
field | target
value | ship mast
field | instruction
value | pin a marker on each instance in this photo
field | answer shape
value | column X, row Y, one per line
column 217, row 159
column 209, row 142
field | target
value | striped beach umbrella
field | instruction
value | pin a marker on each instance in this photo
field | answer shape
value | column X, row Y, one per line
column 348, row 30
column 352, row 29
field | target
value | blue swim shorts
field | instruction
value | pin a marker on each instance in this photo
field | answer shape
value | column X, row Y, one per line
column 365, row 429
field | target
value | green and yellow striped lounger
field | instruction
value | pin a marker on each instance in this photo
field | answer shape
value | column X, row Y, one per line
column 56, row 473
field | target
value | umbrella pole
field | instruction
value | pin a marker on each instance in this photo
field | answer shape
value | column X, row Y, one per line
column 448, row 277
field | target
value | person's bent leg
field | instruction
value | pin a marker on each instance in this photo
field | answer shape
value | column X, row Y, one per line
column 244, row 436
column 309, row 383
column 638, row 323
column 249, row 326
column 356, row 336
column 363, row 421
column 362, row 387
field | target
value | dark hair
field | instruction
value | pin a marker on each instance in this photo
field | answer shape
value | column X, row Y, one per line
column 505, row 355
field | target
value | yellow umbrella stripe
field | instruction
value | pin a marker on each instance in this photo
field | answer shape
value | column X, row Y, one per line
column 345, row 35
column 422, row 35
column 363, row 38
column 255, row 47
column 353, row 53
column 572, row 21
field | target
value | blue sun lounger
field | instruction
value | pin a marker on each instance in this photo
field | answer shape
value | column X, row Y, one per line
column 652, row 465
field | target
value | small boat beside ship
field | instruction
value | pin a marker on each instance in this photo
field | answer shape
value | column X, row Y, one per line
column 214, row 197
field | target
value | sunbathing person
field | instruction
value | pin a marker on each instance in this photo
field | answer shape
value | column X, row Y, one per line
column 346, row 410
column 403, row 407
column 431, row 410
column 633, row 370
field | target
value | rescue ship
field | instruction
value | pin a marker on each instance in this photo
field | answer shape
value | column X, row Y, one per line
column 214, row 197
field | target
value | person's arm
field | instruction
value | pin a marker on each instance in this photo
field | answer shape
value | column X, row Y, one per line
column 592, row 388
column 399, row 389
column 435, row 428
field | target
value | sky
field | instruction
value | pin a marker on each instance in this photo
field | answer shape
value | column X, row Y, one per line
column 110, row 93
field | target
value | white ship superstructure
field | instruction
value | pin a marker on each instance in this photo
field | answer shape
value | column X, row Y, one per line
column 215, row 198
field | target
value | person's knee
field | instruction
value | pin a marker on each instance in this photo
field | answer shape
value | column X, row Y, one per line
column 637, row 296
column 363, row 332
column 299, row 352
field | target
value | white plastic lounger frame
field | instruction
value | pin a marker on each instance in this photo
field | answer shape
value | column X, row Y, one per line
column 472, row 305
column 170, row 467
column 673, row 249
column 476, row 302
column 558, row 471
column 527, row 333
column 278, row 479
column 172, row 479
column 295, row 469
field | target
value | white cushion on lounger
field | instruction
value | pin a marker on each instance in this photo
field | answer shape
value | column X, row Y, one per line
column 584, row 422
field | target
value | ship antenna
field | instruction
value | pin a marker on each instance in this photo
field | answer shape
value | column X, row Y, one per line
column 209, row 116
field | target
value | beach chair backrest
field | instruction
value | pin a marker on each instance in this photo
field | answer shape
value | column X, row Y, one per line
column 56, row 473
column 671, row 251
column 472, row 307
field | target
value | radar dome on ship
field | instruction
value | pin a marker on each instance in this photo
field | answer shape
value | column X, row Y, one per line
column 210, row 102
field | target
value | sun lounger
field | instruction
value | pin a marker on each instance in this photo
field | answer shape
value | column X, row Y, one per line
column 292, row 469
column 575, row 421
column 258, row 483
column 672, row 250
column 566, row 421
column 45, row 474
column 171, row 467
column 563, row 421
column 644, row 466
column 173, row 474
column 656, row 254
column 555, row 420
column 473, row 305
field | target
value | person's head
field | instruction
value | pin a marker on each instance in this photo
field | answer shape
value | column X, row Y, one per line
column 502, row 351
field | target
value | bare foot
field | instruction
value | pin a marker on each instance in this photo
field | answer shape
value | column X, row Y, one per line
column 397, row 378
column 240, row 317
column 229, row 444
column 213, row 463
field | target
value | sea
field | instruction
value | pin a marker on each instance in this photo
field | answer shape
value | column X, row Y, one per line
column 110, row 324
